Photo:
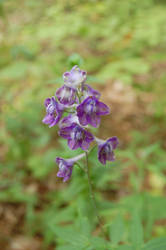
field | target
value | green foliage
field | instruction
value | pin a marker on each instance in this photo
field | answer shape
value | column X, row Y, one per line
column 136, row 232
column 79, row 238
column 117, row 230
column 155, row 244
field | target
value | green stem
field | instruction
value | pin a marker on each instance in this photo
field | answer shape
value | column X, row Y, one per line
column 93, row 197
column 78, row 97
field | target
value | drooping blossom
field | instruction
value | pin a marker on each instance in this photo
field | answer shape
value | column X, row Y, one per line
column 90, row 110
column 54, row 111
column 77, row 136
column 75, row 77
column 106, row 149
column 66, row 95
column 66, row 166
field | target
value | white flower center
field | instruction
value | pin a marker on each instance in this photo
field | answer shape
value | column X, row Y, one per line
column 108, row 148
column 65, row 93
column 79, row 135
column 91, row 107
column 62, row 166
column 76, row 134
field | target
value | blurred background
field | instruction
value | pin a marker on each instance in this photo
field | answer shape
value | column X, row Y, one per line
column 122, row 46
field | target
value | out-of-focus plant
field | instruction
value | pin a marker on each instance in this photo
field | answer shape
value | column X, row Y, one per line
column 119, row 40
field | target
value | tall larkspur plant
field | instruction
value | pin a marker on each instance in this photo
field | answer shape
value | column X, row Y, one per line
column 81, row 103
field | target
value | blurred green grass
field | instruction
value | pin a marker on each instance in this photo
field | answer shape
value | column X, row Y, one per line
column 115, row 41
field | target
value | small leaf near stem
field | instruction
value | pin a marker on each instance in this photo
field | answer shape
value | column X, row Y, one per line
column 77, row 164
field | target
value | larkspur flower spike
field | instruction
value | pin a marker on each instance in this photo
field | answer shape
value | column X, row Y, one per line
column 74, row 107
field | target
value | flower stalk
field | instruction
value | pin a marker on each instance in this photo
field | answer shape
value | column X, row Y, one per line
column 92, row 196
column 74, row 108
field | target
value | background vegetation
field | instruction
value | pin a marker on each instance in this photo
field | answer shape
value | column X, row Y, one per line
column 122, row 45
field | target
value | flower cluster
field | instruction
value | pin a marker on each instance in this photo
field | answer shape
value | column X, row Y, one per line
column 74, row 107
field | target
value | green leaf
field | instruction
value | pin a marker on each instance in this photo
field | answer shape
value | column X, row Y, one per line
column 100, row 243
column 85, row 226
column 67, row 247
column 73, row 237
column 117, row 230
column 126, row 247
column 156, row 244
column 75, row 59
column 136, row 233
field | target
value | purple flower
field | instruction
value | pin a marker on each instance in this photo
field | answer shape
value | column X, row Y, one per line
column 89, row 91
column 66, row 95
column 65, row 168
column 54, row 112
column 105, row 149
column 75, row 77
column 90, row 110
column 68, row 120
column 77, row 136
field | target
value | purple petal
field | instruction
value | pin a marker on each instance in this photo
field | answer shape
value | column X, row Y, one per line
column 114, row 142
column 54, row 112
column 75, row 77
column 66, row 178
column 85, row 145
column 65, row 168
column 102, row 109
column 66, row 95
column 73, row 144
column 93, row 120
column 66, row 75
column 105, row 149
column 101, row 157
column 58, row 159
column 53, row 123
column 65, row 132
column 48, row 119
column 68, row 121
column 47, row 102
column 90, row 110
column 89, row 137
column 83, row 119
column 52, row 106
column 111, row 156
column 80, row 109
column 89, row 91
